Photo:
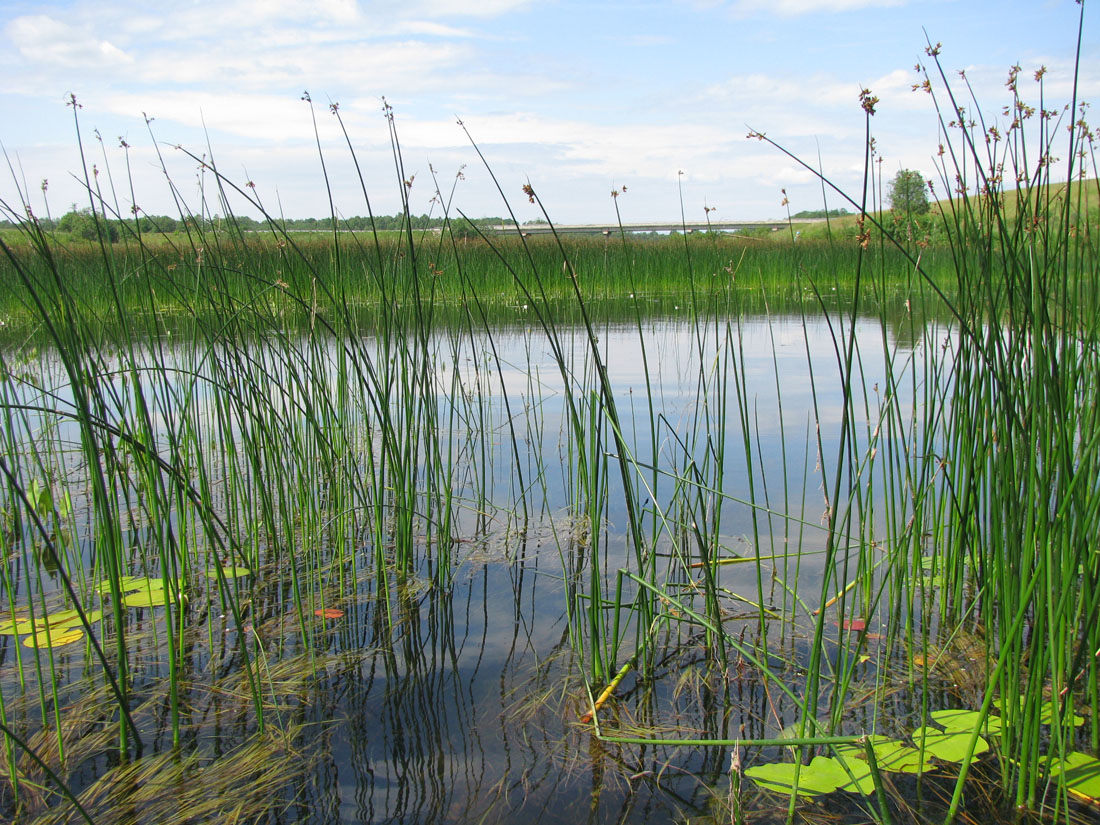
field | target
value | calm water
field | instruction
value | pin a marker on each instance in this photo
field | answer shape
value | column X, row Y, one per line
column 458, row 699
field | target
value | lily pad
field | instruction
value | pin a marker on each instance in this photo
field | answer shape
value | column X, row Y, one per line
column 1048, row 712
column 964, row 721
column 794, row 730
column 92, row 616
column 128, row 584
column 16, row 626
column 780, row 776
column 891, row 755
column 60, row 617
column 230, row 572
column 948, row 746
column 56, row 638
column 853, row 775
column 1050, row 709
column 151, row 597
column 1080, row 774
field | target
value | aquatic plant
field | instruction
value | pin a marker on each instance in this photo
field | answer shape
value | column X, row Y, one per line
column 236, row 467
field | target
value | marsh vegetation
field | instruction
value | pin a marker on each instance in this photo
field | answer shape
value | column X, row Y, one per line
column 447, row 527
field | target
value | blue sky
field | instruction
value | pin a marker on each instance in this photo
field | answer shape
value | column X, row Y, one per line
column 579, row 98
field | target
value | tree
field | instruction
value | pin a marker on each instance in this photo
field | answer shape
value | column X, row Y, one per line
column 908, row 193
column 83, row 224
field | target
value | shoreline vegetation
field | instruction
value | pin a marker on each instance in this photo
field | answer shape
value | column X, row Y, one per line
column 250, row 480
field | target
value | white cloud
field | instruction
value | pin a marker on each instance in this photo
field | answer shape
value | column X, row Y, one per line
column 568, row 112
column 42, row 39
column 252, row 115
column 322, row 65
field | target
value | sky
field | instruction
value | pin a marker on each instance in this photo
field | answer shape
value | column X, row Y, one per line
column 653, row 99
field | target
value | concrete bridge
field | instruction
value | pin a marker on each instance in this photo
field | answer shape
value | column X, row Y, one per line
column 613, row 228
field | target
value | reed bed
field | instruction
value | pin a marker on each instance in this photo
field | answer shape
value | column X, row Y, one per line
column 236, row 468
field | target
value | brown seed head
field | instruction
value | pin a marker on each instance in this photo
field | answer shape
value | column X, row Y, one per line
column 867, row 101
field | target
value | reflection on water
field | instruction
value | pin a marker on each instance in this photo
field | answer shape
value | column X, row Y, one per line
column 458, row 698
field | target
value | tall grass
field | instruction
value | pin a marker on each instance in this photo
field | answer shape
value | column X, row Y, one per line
column 270, row 428
column 976, row 462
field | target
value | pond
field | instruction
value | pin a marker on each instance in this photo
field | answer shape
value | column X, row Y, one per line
column 389, row 572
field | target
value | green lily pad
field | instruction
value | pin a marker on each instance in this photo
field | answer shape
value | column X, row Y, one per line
column 16, row 626
column 128, row 584
column 150, row 597
column 230, row 572
column 949, row 746
column 780, row 776
column 964, row 721
column 59, row 617
column 1048, row 712
column 1080, row 774
column 853, row 775
column 891, row 755
column 793, row 731
column 56, row 638
column 92, row 616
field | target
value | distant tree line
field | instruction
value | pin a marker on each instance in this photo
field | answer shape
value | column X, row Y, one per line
column 80, row 223
column 821, row 213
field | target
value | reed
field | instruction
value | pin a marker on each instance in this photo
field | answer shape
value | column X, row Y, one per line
column 217, row 443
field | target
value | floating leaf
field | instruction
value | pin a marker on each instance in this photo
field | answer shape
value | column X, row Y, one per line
column 329, row 613
column 56, row 638
column 895, row 756
column 779, row 777
column 891, row 755
column 92, row 616
column 853, row 775
column 61, row 620
column 230, row 572
column 793, row 730
column 60, row 617
column 16, row 626
column 1080, row 774
column 1048, row 713
column 950, row 746
column 152, row 597
column 964, row 721
column 823, row 775
column 128, row 584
